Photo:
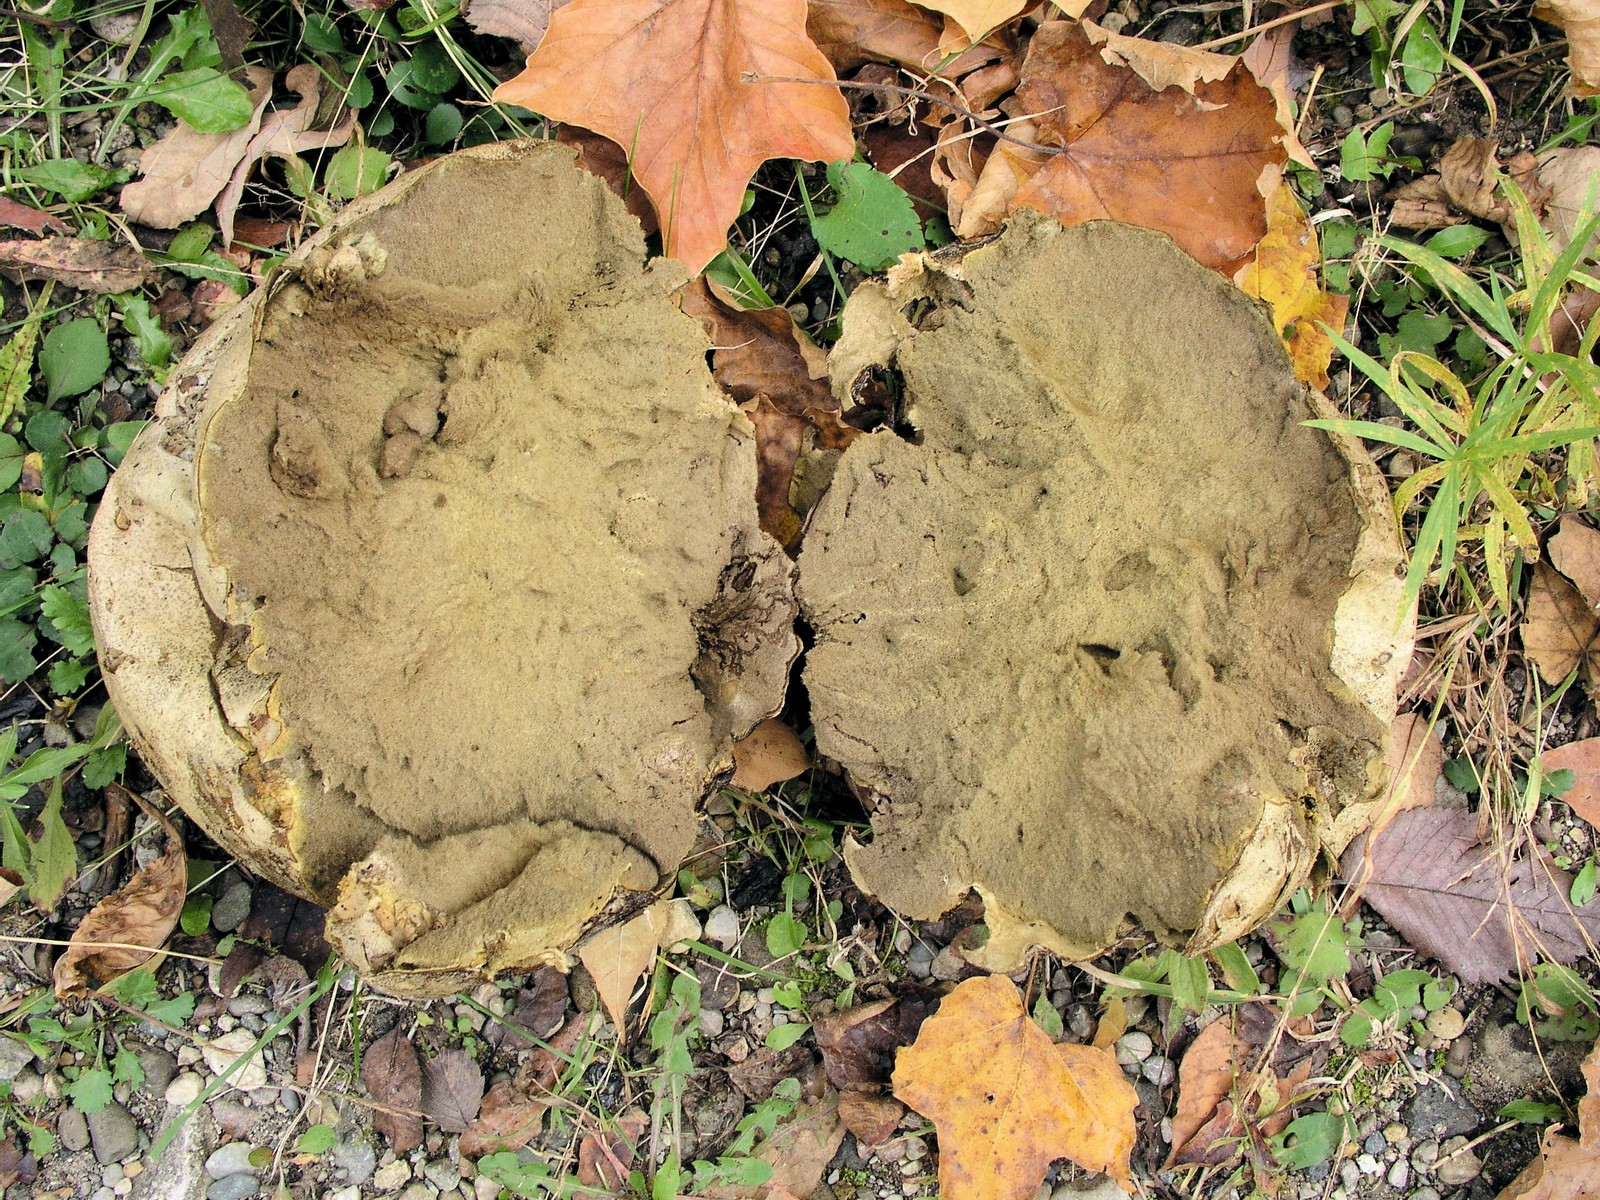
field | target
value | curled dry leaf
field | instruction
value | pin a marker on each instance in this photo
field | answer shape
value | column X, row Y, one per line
column 1461, row 902
column 1567, row 1168
column 392, row 1074
column 186, row 170
column 771, row 753
column 1416, row 760
column 977, row 17
column 1285, row 274
column 606, row 1155
column 1580, row 20
column 452, row 1090
column 523, row 21
column 1189, row 163
column 20, row 216
column 128, row 926
column 507, row 1120
column 696, row 133
column 282, row 134
column 1559, row 627
column 798, row 1151
column 1007, row 1101
column 83, row 263
column 1582, row 758
column 1572, row 173
column 852, row 32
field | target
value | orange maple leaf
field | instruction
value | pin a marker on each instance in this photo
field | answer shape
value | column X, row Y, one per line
column 688, row 88
column 1186, row 161
column 1007, row 1101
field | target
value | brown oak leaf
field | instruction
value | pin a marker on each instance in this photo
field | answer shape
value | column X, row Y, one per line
column 1189, row 163
column 392, row 1075
column 768, row 754
column 1582, row 758
column 1007, row 1101
column 698, row 92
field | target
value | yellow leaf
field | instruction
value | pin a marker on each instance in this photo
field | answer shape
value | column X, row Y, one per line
column 977, row 17
column 1007, row 1101
column 1285, row 275
column 616, row 957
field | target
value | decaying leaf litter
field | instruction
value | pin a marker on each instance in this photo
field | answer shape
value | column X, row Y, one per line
column 808, row 426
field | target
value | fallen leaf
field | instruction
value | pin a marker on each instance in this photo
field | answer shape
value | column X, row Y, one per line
column 977, row 17
column 1007, row 1101
column 1286, row 274
column 540, row 1009
column 83, row 263
column 1558, row 626
column 757, row 1076
column 1567, row 1168
column 1413, row 743
column 283, row 134
column 507, row 1120
column 523, row 21
column 1008, row 167
column 392, row 1075
column 1458, row 901
column 1580, row 21
column 1572, row 173
column 606, row 1155
column 11, row 882
column 871, row 1119
column 1575, row 552
column 770, row 753
column 232, row 30
column 697, row 132
column 283, row 920
column 1422, row 204
column 617, row 956
column 1161, row 64
column 452, row 1090
column 20, row 216
column 853, row 32
column 186, row 170
column 858, row 1044
column 126, row 928
column 1468, row 174
column 1189, row 164
column 798, row 1151
column 1582, row 758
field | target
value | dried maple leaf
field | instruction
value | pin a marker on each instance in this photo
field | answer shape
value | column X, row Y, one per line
column 128, row 926
column 523, row 21
column 768, row 754
column 452, row 1090
column 1580, row 20
column 83, row 263
column 852, row 32
column 392, row 1075
column 1567, row 1168
column 1458, row 901
column 978, row 17
column 1575, row 552
column 186, row 170
column 1007, row 1101
column 698, row 92
column 1285, row 274
column 1187, row 163
column 1583, row 760
column 1558, row 626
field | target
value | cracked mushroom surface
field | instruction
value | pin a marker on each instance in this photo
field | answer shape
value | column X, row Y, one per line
column 1113, row 635
column 436, row 591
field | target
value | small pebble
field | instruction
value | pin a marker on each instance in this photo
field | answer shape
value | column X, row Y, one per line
column 1425, row 1193
column 1366, row 1164
column 231, row 1159
column 418, row 1191
column 1079, row 1020
column 230, row 910
column 1394, row 1133
column 1158, row 1069
column 1446, row 1024
column 112, row 1175
column 233, row 1187
column 73, row 1130
column 1425, row 1154
column 1134, row 1047
column 800, row 311
column 1343, row 116
column 221, row 1053
column 355, row 1161
column 1458, row 1169
column 1399, row 1174
column 1349, row 1175
column 711, row 1022
column 391, row 1177
column 114, row 1133
column 1375, row 1143
column 722, row 927
column 443, row 1174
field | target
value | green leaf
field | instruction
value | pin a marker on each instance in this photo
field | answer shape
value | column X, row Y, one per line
column 1316, row 943
column 105, row 765
column 25, row 537
column 320, row 34
column 784, row 1036
column 1236, row 969
column 785, row 936
column 432, row 69
column 196, row 918
column 175, row 1012
column 1457, row 241
column 1190, row 981
column 75, row 357
column 190, row 243
column 115, row 439
column 16, row 372
column 55, row 856
column 87, row 477
column 91, row 1090
column 17, row 640
column 1356, row 1030
column 70, row 179
column 67, row 676
column 1309, row 1140
column 205, row 99
column 442, row 125
column 1048, row 1018
column 355, row 171
column 318, row 1139
column 1532, row 1112
column 1462, row 775
column 872, row 221
column 41, row 1141
column 1422, row 331
column 126, row 1067
column 1422, row 58
column 1583, row 885
column 48, row 763
column 69, row 616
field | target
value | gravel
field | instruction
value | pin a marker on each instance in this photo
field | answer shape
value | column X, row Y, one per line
column 391, row 1177
column 355, row 1160
column 1134, row 1047
column 73, row 1130
column 722, row 927
column 114, row 1134
column 233, row 1187
column 232, row 1159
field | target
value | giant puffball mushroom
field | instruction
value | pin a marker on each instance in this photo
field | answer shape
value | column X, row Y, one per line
column 1112, row 635
column 436, row 591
